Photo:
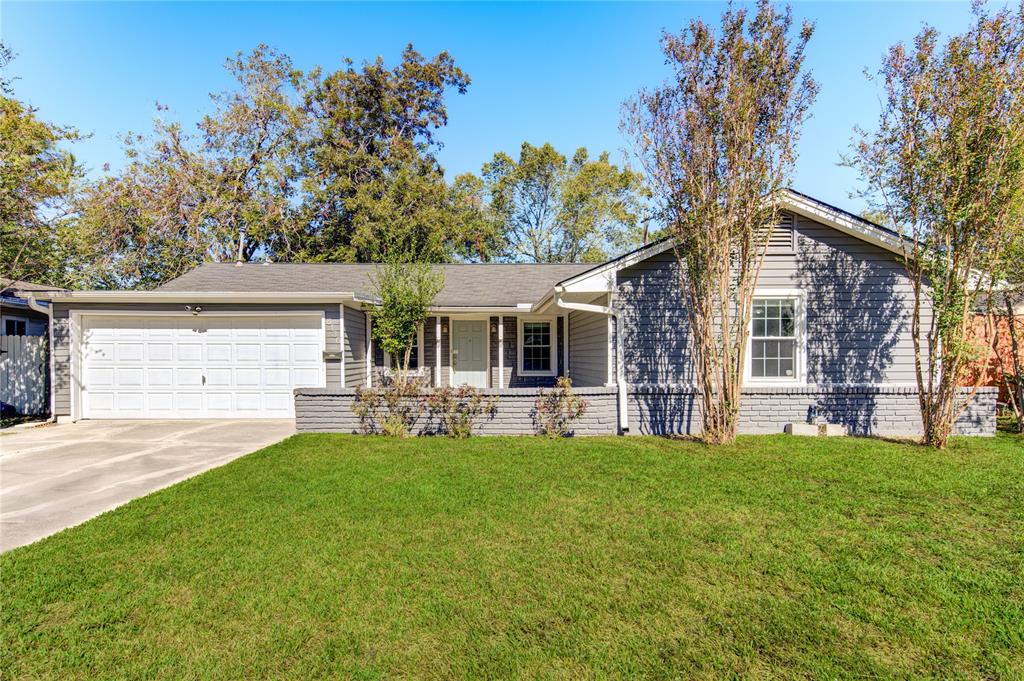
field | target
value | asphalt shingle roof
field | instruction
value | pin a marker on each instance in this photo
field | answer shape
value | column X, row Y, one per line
column 466, row 285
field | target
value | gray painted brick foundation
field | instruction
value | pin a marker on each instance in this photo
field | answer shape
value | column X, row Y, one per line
column 673, row 410
column 869, row 410
column 325, row 410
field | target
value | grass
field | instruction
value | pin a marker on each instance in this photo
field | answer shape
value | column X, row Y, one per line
column 358, row 557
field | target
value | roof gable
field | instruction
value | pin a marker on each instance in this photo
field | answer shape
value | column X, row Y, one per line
column 599, row 278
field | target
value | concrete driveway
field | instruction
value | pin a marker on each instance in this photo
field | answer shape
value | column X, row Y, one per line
column 56, row 476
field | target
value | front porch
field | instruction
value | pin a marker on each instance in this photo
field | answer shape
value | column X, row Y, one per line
column 502, row 351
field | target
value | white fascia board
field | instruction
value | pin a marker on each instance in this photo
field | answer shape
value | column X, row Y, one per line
column 481, row 309
column 832, row 218
column 601, row 279
column 253, row 297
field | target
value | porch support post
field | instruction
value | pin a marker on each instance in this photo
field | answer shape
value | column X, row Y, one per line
column 501, row 351
column 437, row 351
column 565, row 345
column 614, row 321
column 341, row 340
column 369, row 350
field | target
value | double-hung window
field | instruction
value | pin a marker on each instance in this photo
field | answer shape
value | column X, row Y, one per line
column 776, row 351
column 536, row 347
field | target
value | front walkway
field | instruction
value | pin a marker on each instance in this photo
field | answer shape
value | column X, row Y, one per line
column 56, row 476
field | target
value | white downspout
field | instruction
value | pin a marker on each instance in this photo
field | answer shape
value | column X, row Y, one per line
column 620, row 380
column 48, row 311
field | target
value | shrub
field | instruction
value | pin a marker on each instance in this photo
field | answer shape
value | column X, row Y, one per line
column 557, row 410
column 459, row 408
column 390, row 410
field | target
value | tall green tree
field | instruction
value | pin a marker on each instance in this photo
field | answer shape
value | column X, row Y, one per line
column 38, row 176
column 555, row 209
column 718, row 141
column 946, row 164
column 373, row 186
column 185, row 198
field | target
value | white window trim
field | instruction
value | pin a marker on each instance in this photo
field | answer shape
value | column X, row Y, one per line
column 800, row 373
column 552, row 350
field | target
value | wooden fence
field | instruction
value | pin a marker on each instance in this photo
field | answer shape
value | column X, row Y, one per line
column 24, row 374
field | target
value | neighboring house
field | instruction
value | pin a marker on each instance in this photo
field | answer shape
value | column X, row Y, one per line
column 16, row 317
column 830, row 339
column 990, row 367
column 24, row 350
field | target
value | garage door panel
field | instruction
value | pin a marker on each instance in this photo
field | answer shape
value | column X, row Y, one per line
column 99, row 377
column 178, row 367
column 160, row 352
column 130, row 378
column 305, row 378
column 217, row 378
column 190, row 352
column 247, row 352
column 218, row 352
column 162, row 377
column 160, row 402
column 278, row 402
column 248, row 378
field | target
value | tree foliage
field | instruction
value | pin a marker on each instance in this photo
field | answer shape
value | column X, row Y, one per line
column 39, row 175
column 404, row 293
column 554, row 209
column 372, row 182
column 187, row 198
column 718, row 141
column 310, row 167
column 946, row 164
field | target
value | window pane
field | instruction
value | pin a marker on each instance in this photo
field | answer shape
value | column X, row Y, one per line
column 788, row 324
column 536, row 346
column 759, row 328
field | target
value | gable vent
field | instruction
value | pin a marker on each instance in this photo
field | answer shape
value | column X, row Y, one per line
column 783, row 237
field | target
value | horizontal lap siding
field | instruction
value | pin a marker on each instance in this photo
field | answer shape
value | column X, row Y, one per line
column 62, row 334
column 355, row 347
column 588, row 348
column 859, row 300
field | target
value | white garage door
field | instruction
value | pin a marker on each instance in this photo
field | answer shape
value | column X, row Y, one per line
column 198, row 367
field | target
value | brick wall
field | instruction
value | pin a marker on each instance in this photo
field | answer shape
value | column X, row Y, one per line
column 325, row 410
column 884, row 411
column 674, row 410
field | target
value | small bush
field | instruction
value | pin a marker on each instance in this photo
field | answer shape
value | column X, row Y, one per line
column 558, row 409
column 458, row 409
column 391, row 410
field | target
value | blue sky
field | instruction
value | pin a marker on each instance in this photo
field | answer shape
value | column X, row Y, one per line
column 541, row 72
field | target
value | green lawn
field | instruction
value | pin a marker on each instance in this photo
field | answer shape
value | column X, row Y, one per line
column 337, row 556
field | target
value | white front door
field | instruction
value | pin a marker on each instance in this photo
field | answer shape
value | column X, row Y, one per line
column 198, row 367
column 469, row 353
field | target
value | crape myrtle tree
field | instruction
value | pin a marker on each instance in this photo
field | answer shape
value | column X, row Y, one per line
column 718, row 142
column 404, row 291
column 946, row 165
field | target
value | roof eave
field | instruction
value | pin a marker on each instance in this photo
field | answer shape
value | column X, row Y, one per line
column 247, row 297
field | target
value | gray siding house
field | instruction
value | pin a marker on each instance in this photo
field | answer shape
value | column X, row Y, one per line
column 829, row 340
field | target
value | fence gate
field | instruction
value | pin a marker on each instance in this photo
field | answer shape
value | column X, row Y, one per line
column 24, row 374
